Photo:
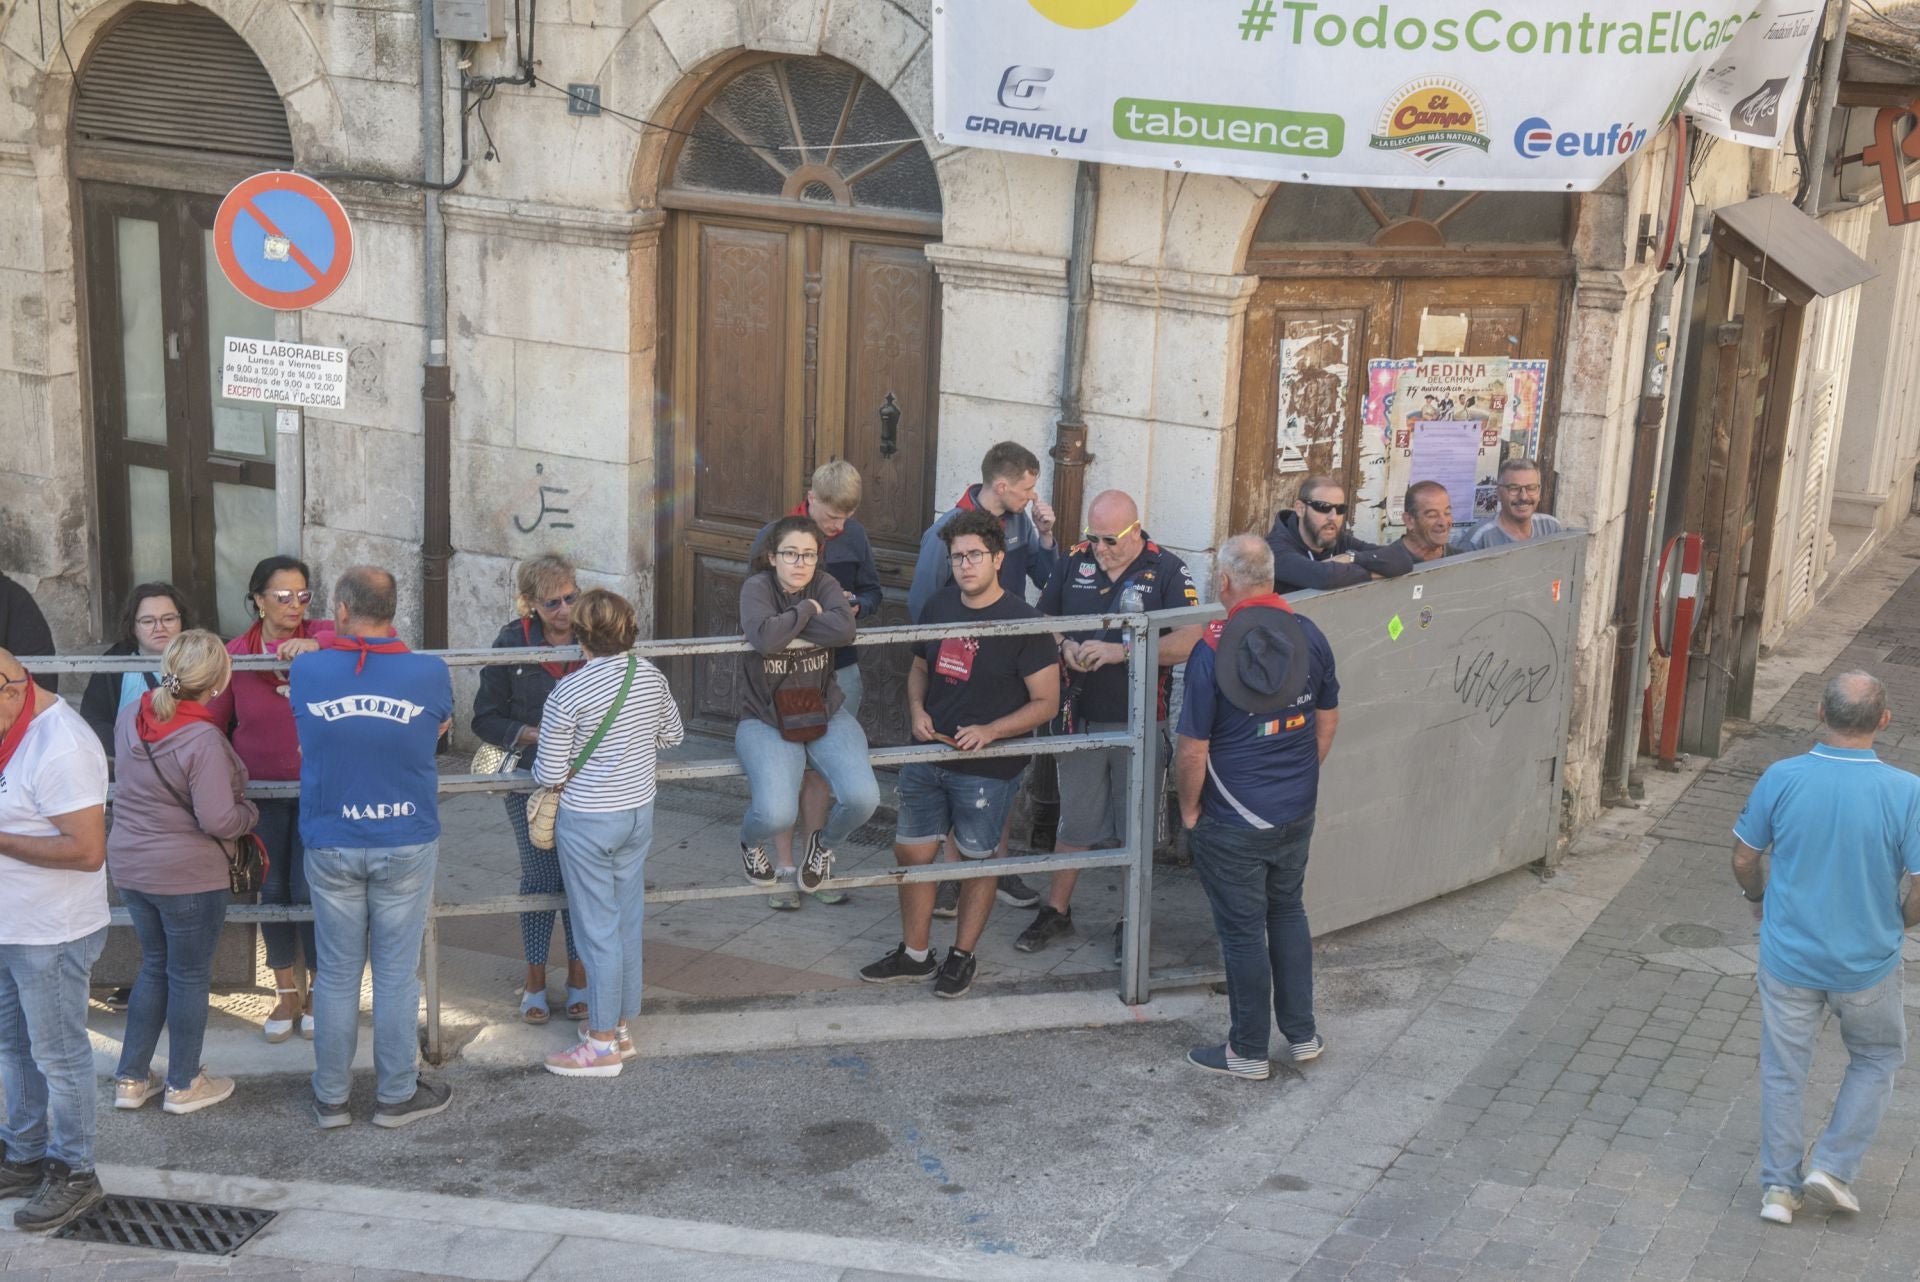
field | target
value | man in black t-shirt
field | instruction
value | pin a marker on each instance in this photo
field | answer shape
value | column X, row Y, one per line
column 967, row 692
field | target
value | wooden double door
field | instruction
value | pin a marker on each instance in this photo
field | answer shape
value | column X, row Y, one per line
column 793, row 343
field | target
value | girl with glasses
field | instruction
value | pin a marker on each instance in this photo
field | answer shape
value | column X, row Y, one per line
column 154, row 614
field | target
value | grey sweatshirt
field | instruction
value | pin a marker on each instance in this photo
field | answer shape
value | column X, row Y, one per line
column 772, row 619
column 155, row 846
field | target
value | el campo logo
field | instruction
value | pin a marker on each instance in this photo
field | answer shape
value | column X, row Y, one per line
column 1083, row 14
column 1430, row 119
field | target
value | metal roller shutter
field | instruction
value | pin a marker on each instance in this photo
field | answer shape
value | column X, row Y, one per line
column 180, row 78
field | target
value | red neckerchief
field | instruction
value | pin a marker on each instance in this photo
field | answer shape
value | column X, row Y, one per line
column 10, row 741
column 185, row 712
column 554, row 670
column 1270, row 600
column 250, row 640
column 391, row 645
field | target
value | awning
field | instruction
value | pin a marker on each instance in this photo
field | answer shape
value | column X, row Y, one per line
column 1790, row 253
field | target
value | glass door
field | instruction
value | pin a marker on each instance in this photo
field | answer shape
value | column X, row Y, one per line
column 185, row 477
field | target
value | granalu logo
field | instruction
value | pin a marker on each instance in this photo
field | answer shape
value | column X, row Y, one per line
column 1536, row 137
column 1430, row 119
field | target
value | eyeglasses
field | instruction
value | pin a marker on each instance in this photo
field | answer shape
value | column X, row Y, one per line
column 555, row 602
column 1528, row 491
column 797, row 556
column 1110, row 540
column 287, row 596
column 1323, row 507
column 975, row 557
column 157, row 621
column 13, row 681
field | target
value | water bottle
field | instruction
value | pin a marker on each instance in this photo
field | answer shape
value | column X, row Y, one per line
column 1132, row 599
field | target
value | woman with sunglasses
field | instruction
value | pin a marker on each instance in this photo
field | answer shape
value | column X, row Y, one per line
column 506, row 714
column 255, row 707
column 154, row 615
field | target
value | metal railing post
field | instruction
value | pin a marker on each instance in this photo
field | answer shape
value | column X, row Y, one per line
column 1142, row 718
column 430, row 977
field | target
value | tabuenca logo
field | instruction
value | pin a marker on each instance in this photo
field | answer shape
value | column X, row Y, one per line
column 1083, row 14
column 1430, row 119
column 1536, row 137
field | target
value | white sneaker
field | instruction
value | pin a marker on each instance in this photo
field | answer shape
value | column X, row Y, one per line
column 279, row 1030
column 202, row 1092
column 1833, row 1189
column 306, row 1026
column 1778, row 1206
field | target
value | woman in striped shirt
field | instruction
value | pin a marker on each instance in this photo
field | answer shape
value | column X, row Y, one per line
column 606, row 816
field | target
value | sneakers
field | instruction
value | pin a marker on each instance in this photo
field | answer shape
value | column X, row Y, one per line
column 1832, row 1189
column 759, row 867
column 331, row 1117
column 65, row 1195
column 429, row 1097
column 1221, row 1059
column 201, row 1092
column 131, row 1092
column 1048, row 925
column 582, row 1060
column 623, row 1044
column 898, row 968
column 956, row 974
column 1778, row 1206
column 279, row 1030
column 306, row 1025
column 1011, row 890
column 785, row 898
column 946, row 900
column 1307, row 1050
column 827, row 896
column 817, row 866
column 20, row 1178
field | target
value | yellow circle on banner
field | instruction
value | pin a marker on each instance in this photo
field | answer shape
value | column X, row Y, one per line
column 1082, row 13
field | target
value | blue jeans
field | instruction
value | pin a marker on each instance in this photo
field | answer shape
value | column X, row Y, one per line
column 774, row 768
column 1874, row 1027
column 178, row 935
column 935, row 800
column 603, row 856
column 286, row 883
column 369, row 903
column 46, row 1062
column 853, row 687
column 1253, row 878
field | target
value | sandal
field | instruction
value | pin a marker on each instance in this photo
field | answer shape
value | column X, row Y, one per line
column 279, row 1030
column 576, row 1002
column 533, row 1006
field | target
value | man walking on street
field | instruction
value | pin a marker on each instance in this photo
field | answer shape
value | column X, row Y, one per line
column 369, row 715
column 1844, row 830
column 1262, row 706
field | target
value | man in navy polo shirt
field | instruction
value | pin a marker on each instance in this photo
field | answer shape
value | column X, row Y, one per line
column 369, row 715
column 1844, row 828
column 1262, row 704
column 1118, row 570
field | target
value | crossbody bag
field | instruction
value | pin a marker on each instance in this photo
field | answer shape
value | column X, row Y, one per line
column 246, row 855
column 543, row 806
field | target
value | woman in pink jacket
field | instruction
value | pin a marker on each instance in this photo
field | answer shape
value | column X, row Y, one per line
column 255, row 708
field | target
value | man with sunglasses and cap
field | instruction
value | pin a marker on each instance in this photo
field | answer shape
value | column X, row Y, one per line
column 1261, row 708
column 1117, row 570
column 1312, row 546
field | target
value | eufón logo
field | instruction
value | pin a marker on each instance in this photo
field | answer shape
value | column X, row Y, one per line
column 1430, row 119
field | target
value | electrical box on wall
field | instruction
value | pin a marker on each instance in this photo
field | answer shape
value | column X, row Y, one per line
column 475, row 20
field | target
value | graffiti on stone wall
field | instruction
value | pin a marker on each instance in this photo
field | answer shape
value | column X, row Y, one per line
column 549, row 509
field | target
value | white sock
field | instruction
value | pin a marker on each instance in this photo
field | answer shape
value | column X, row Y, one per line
column 600, row 1047
column 917, row 954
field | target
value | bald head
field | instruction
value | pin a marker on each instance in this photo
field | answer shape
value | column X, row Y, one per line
column 1114, row 515
column 1112, row 507
column 1854, row 705
column 10, row 667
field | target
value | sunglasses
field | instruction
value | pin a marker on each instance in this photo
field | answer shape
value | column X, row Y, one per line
column 555, row 602
column 287, row 596
column 1323, row 507
column 1110, row 540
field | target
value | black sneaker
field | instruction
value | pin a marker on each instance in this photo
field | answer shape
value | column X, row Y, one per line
column 20, row 1179
column 817, row 866
column 1049, row 924
column 759, row 867
column 946, row 901
column 956, row 975
column 1019, row 894
column 331, row 1116
column 65, row 1194
column 429, row 1097
column 898, row 968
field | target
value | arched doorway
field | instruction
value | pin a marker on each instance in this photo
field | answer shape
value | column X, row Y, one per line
column 1354, row 276
column 172, row 108
column 802, row 306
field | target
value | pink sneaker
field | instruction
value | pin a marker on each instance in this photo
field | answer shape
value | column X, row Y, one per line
column 581, row 1060
column 624, row 1044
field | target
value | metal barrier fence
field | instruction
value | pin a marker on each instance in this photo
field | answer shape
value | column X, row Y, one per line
column 1141, row 633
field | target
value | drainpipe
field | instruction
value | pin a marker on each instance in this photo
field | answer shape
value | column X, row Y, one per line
column 1823, row 105
column 1069, row 452
column 436, row 392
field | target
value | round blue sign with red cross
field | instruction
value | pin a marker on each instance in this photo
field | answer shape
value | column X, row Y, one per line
column 283, row 240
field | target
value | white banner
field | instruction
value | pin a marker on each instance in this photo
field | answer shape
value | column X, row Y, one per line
column 1545, row 95
column 263, row 369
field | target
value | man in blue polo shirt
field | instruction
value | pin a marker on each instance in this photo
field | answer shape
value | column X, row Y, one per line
column 1262, row 705
column 1844, row 828
column 369, row 715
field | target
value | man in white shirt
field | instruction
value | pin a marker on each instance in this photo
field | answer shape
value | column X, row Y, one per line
column 1519, row 518
column 53, row 846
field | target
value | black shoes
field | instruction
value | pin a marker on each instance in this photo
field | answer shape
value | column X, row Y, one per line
column 17, row 1178
column 817, row 866
column 898, row 968
column 65, row 1194
column 1048, row 925
column 946, row 900
column 956, row 974
column 1011, row 890
column 429, row 1097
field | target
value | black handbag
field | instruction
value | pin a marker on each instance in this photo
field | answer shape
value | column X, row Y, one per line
column 246, row 856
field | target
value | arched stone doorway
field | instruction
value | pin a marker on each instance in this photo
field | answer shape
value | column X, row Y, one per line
column 801, row 307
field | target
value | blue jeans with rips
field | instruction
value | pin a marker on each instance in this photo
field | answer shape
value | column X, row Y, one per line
column 1253, row 878
column 1874, row 1027
column 603, row 855
column 178, row 935
column 369, row 904
column 46, row 1062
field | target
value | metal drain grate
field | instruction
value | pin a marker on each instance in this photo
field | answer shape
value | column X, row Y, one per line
column 201, row 1228
column 1907, row 654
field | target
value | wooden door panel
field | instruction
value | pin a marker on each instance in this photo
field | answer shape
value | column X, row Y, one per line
column 890, row 301
column 740, row 423
column 716, row 612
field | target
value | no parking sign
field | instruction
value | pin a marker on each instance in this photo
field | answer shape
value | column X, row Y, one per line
column 283, row 240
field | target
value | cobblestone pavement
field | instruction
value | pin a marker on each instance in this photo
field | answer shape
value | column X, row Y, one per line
column 1611, row 1132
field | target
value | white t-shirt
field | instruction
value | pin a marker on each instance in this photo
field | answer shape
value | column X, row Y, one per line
column 58, row 769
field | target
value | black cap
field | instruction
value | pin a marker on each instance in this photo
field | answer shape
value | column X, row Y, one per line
column 1262, row 665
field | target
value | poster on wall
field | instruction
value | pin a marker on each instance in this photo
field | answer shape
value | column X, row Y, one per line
column 1315, row 365
column 1503, row 400
column 1551, row 95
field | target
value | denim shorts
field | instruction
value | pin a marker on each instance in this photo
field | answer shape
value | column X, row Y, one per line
column 934, row 800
